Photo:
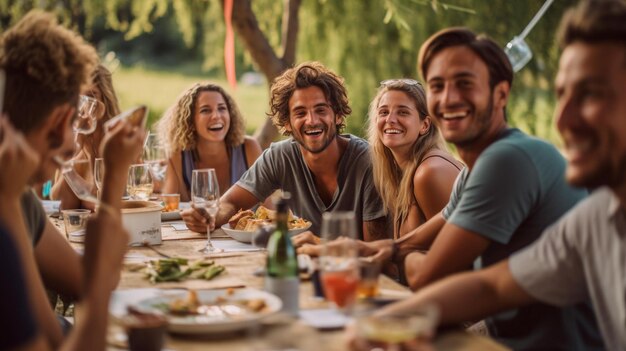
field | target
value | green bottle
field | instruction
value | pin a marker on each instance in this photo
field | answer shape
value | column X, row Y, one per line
column 282, row 263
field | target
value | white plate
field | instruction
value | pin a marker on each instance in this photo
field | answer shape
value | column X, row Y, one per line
column 195, row 324
column 246, row 237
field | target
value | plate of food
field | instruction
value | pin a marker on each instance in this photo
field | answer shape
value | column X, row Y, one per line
column 212, row 311
column 244, row 224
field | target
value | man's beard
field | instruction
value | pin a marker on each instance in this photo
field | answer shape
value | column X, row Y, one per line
column 607, row 174
column 483, row 120
column 329, row 140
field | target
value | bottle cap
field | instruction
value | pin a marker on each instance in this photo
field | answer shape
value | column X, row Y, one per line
column 281, row 202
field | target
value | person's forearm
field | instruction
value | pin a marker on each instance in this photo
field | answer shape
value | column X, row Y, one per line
column 421, row 238
column 466, row 296
column 61, row 191
column 226, row 211
column 12, row 217
column 91, row 323
column 375, row 230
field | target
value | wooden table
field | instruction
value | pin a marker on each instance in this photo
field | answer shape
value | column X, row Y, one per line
column 278, row 335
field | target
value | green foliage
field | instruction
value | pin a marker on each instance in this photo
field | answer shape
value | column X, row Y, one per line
column 365, row 41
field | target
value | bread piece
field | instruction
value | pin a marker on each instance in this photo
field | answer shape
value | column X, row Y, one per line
column 234, row 220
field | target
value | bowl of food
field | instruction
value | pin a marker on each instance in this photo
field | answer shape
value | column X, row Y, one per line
column 244, row 224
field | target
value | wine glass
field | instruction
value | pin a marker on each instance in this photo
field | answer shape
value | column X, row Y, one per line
column 139, row 184
column 80, row 187
column 89, row 111
column 98, row 175
column 154, row 154
column 205, row 197
column 339, row 264
column 405, row 330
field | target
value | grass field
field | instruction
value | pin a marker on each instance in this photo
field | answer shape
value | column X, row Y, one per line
column 160, row 89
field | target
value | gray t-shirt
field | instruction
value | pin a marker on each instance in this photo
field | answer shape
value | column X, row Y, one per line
column 582, row 256
column 515, row 190
column 34, row 215
column 281, row 166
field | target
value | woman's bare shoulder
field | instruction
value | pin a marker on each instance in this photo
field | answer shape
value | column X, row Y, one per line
column 252, row 148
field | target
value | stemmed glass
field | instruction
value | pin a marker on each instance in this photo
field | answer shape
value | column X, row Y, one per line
column 205, row 197
column 89, row 111
column 154, row 154
column 78, row 184
column 139, row 185
column 339, row 264
column 98, row 175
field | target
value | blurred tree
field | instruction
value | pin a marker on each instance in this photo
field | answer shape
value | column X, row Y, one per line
column 365, row 41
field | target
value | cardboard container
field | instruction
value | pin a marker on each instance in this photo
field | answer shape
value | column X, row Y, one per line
column 142, row 220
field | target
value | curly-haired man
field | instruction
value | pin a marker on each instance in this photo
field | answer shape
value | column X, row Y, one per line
column 323, row 169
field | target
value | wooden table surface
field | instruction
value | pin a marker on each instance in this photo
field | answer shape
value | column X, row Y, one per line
column 285, row 334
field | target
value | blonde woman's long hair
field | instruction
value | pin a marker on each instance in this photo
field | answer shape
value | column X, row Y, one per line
column 394, row 185
column 102, row 79
column 177, row 130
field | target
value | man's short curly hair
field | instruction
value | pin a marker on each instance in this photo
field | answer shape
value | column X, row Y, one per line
column 46, row 66
column 177, row 128
column 306, row 75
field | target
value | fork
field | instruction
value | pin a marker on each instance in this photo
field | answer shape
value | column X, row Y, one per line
column 159, row 252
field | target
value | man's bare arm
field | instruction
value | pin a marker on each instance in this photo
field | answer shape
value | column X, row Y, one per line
column 454, row 251
column 419, row 239
column 468, row 296
column 375, row 229
column 234, row 199
column 60, row 266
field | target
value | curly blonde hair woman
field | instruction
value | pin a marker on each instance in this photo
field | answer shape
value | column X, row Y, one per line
column 204, row 129
column 413, row 172
column 101, row 89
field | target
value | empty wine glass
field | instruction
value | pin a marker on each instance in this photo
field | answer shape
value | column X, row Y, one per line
column 80, row 187
column 139, row 185
column 205, row 197
column 98, row 175
column 154, row 154
column 89, row 111
column 339, row 260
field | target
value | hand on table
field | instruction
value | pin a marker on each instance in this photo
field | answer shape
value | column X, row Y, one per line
column 378, row 251
column 196, row 220
column 305, row 238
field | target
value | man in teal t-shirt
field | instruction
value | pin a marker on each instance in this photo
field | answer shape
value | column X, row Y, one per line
column 511, row 190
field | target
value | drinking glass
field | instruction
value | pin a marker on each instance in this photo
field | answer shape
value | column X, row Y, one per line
column 98, row 175
column 407, row 330
column 205, row 197
column 89, row 111
column 339, row 260
column 154, row 154
column 139, row 185
column 80, row 187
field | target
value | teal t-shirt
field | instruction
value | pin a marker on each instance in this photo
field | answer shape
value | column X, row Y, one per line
column 515, row 190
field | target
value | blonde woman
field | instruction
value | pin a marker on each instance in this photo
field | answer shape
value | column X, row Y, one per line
column 413, row 172
column 204, row 129
column 101, row 89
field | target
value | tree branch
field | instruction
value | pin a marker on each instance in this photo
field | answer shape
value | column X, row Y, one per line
column 290, row 30
column 246, row 25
